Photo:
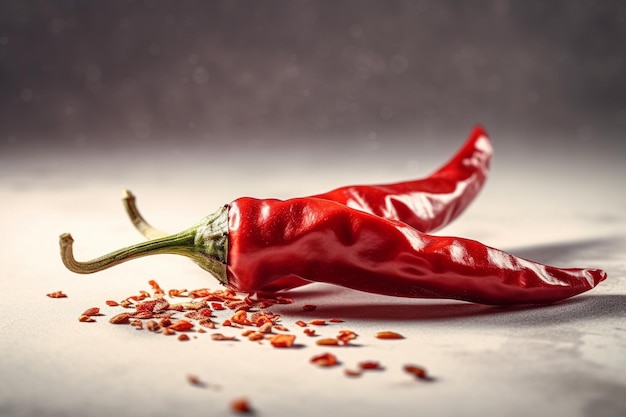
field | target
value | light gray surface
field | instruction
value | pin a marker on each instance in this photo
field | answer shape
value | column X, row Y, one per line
column 567, row 359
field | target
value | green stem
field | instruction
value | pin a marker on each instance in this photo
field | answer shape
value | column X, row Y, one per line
column 206, row 243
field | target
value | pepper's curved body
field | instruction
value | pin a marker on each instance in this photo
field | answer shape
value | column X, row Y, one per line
column 321, row 241
column 430, row 203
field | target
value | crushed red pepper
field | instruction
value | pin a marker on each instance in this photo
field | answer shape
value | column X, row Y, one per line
column 417, row 371
column 57, row 294
column 241, row 405
column 283, row 340
column 325, row 360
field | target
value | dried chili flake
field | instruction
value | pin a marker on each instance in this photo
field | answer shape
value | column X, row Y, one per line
column 199, row 293
column 220, row 337
column 416, row 371
column 93, row 311
column 241, row 317
column 181, row 326
column 57, row 294
column 201, row 330
column 247, row 333
column 143, row 315
column 318, row 322
column 199, row 314
column 177, row 307
column 325, row 360
column 259, row 318
column 370, row 365
column 241, row 405
column 217, row 306
column 335, row 320
column 345, row 336
column 282, row 340
column 112, row 303
column 281, row 328
column 126, row 303
column 194, row 305
column 194, row 380
column 309, row 307
column 327, row 342
column 309, row 332
column 389, row 335
column 168, row 332
column 237, row 305
column 227, row 323
column 137, row 323
column 177, row 293
column 146, row 306
column 165, row 322
column 183, row 337
column 122, row 318
column 301, row 323
column 156, row 288
column 85, row 319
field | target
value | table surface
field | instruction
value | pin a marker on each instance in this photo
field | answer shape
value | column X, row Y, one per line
column 561, row 208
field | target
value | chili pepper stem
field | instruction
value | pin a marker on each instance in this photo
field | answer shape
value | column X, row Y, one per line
column 128, row 199
column 206, row 243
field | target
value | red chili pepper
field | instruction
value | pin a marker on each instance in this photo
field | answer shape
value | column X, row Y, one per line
column 251, row 245
column 430, row 203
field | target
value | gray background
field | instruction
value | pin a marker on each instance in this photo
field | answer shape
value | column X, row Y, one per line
column 234, row 73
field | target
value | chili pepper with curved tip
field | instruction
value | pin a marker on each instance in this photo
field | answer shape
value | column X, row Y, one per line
column 251, row 245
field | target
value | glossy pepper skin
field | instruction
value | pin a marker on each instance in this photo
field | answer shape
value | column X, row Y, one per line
column 266, row 245
column 430, row 203
column 321, row 241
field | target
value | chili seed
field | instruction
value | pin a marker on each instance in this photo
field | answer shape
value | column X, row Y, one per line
column 122, row 318
column 254, row 336
column 389, row 335
column 85, row 319
column 183, row 337
column 327, row 342
column 352, row 373
column 153, row 326
column 220, row 337
column 168, row 332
